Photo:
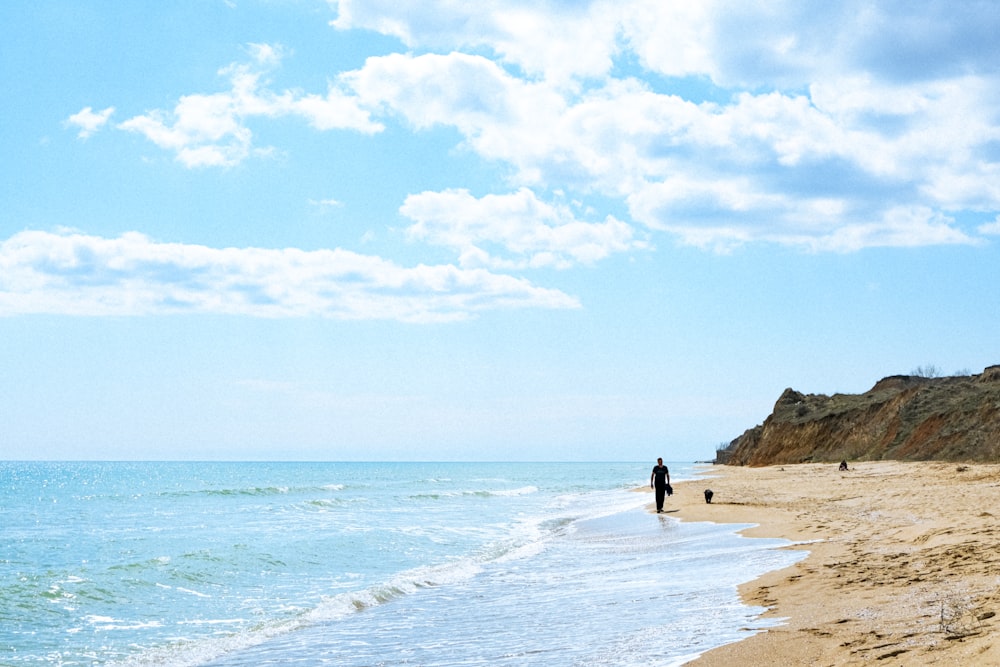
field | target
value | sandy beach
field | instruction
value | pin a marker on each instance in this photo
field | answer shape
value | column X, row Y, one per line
column 903, row 565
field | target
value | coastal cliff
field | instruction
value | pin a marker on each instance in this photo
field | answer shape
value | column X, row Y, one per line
column 903, row 417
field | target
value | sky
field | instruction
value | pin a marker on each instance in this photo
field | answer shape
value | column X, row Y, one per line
column 604, row 230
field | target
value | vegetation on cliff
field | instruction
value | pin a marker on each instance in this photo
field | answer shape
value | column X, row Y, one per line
column 903, row 417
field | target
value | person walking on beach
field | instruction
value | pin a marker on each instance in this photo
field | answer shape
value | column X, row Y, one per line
column 659, row 481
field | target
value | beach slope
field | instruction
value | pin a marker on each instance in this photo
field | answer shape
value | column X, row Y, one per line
column 904, row 564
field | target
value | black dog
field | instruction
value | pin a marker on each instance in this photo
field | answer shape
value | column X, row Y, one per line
column 708, row 495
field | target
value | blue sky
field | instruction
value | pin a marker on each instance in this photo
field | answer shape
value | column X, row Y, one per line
column 609, row 230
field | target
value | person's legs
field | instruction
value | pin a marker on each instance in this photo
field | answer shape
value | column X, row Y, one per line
column 659, row 498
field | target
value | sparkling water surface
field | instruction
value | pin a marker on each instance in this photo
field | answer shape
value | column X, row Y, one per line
column 362, row 564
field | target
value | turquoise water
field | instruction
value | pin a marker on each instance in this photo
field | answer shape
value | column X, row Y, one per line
column 361, row 564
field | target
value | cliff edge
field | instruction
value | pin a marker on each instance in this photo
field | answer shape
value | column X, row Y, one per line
column 903, row 417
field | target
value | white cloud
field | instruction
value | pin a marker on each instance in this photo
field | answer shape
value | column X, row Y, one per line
column 267, row 55
column 815, row 124
column 470, row 92
column 76, row 274
column 515, row 230
column 905, row 226
column 740, row 214
column 791, row 44
column 672, row 38
column 89, row 121
column 326, row 203
column 542, row 39
column 750, row 45
column 847, row 137
column 990, row 228
column 211, row 130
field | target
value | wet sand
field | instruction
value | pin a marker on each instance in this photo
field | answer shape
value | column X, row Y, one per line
column 903, row 565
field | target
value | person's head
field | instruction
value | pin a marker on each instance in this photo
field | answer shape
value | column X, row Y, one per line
column 659, row 461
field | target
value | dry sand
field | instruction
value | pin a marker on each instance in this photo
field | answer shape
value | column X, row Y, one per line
column 903, row 565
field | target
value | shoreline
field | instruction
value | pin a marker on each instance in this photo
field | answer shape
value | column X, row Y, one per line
column 903, row 565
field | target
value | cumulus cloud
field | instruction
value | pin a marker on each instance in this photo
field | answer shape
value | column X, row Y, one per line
column 784, row 122
column 990, row 228
column 791, row 44
column 775, row 167
column 846, row 135
column 76, row 274
column 514, row 230
column 904, row 226
column 783, row 43
column 89, row 121
column 542, row 39
column 211, row 130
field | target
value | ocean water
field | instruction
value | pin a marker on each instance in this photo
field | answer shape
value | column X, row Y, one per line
column 353, row 564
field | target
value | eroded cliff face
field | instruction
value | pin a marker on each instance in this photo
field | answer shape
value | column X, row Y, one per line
column 905, row 418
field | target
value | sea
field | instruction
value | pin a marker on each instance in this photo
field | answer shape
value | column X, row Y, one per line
column 228, row 564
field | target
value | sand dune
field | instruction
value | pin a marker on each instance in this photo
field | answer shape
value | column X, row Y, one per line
column 904, row 564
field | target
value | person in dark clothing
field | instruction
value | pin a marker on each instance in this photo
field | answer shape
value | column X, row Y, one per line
column 659, row 480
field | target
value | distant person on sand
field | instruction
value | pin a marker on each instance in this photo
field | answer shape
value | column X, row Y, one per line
column 659, row 480
column 843, row 465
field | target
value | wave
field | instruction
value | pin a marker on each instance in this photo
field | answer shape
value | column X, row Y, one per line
column 482, row 493
column 192, row 652
column 106, row 623
column 526, row 539
column 404, row 583
column 325, row 502
column 523, row 491
column 149, row 563
column 246, row 491
column 274, row 490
